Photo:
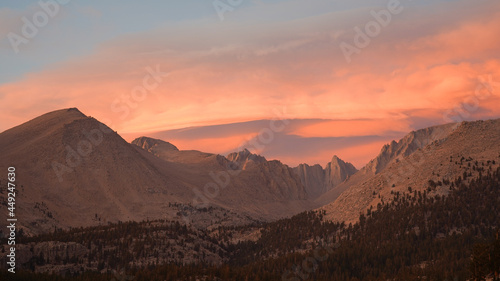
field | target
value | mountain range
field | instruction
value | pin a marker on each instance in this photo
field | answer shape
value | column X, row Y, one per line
column 73, row 170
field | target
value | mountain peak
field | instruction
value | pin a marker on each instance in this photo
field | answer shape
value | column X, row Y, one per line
column 318, row 180
column 47, row 123
column 66, row 114
column 72, row 112
column 338, row 171
column 336, row 159
column 74, row 109
column 244, row 156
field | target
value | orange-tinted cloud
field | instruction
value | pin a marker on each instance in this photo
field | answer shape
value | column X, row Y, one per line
column 349, row 128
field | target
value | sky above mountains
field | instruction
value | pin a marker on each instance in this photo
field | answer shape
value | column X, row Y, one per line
column 352, row 75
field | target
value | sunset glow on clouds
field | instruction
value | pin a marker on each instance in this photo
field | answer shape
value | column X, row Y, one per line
column 422, row 69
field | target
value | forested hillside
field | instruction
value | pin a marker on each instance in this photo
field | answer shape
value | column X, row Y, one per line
column 416, row 235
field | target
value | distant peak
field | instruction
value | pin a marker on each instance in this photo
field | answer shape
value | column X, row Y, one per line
column 245, row 155
column 337, row 162
column 147, row 143
column 336, row 158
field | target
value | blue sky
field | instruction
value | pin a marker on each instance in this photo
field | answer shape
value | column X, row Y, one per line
column 83, row 25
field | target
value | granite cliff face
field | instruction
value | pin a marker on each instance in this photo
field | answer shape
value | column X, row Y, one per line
column 318, row 180
column 337, row 171
column 396, row 151
column 244, row 156
column 313, row 179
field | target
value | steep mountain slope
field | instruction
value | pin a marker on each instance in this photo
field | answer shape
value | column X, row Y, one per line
column 395, row 151
column 426, row 160
column 73, row 170
column 390, row 153
column 318, row 180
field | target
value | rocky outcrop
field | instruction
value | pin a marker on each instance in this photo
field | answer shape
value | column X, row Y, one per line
column 318, row 180
column 244, row 156
column 313, row 179
column 395, row 151
column 337, row 171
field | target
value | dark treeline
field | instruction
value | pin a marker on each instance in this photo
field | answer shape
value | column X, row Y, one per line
column 415, row 236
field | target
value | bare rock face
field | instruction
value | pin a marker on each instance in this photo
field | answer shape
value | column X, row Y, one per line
column 313, row 178
column 318, row 180
column 410, row 143
column 337, row 171
column 244, row 156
